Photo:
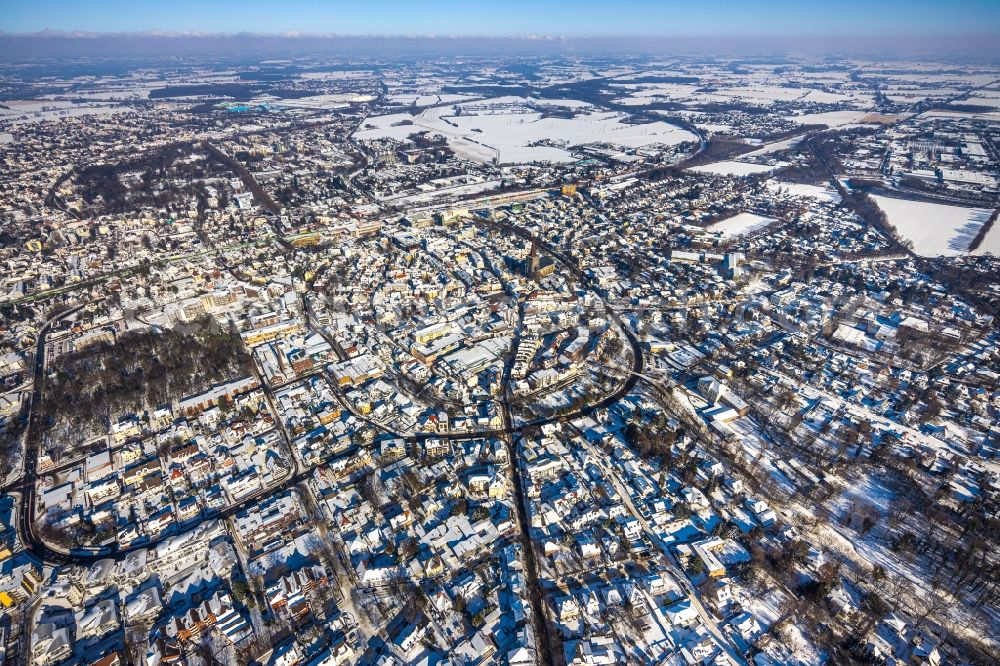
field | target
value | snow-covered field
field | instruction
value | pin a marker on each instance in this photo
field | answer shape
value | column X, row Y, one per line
column 428, row 99
column 718, row 128
column 823, row 193
column 734, row 168
column 775, row 146
column 987, row 98
column 765, row 95
column 339, row 75
column 137, row 92
column 990, row 244
column 320, row 102
column 648, row 94
column 741, row 224
column 26, row 111
column 831, row 118
column 935, row 229
column 454, row 191
column 909, row 95
column 506, row 128
column 990, row 116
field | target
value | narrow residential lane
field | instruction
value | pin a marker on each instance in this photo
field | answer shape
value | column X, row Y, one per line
column 675, row 568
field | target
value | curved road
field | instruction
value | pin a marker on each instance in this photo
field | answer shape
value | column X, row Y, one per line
column 25, row 488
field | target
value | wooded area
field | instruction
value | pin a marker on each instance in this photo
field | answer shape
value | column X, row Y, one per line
column 139, row 371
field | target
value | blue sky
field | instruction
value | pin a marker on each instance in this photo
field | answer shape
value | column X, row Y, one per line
column 509, row 17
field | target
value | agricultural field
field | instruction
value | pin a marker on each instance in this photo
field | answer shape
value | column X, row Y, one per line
column 512, row 129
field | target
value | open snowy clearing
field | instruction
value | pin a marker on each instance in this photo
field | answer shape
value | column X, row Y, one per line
column 734, row 168
column 740, row 224
column 935, row 229
column 510, row 130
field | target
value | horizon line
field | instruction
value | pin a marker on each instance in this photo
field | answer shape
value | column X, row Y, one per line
column 49, row 43
column 298, row 34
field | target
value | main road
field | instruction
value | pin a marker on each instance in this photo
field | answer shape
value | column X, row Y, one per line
column 26, row 485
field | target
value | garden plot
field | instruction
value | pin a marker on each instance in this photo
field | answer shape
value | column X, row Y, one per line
column 935, row 229
column 513, row 129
